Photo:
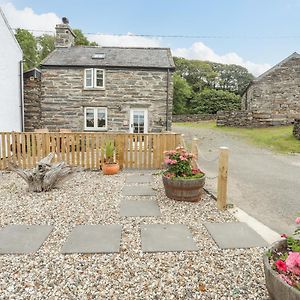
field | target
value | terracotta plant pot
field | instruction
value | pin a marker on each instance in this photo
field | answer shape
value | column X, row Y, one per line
column 277, row 288
column 184, row 189
column 110, row 169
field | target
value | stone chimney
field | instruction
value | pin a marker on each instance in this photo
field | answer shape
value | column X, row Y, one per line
column 65, row 37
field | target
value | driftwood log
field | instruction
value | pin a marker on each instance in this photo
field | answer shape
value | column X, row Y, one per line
column 45, row 176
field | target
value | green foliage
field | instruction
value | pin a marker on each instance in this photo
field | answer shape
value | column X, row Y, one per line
column 182, row 95
column 210, row 101
column 109, row 149
column 46, row 44
column 206, row 87
column 293, row 244
column 28, row 44
column 35, row 49
column 81, row 39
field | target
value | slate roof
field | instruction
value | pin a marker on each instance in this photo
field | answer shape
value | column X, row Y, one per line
column 114, row 57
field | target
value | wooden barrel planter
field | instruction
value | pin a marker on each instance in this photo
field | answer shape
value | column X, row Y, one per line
column 277, row 288
column 184, row 189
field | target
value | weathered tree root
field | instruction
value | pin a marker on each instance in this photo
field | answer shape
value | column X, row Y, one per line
column 45, row 176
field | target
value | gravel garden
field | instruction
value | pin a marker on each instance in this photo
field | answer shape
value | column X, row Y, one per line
column 91, row 198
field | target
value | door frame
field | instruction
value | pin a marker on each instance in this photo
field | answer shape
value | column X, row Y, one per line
column 145, row 110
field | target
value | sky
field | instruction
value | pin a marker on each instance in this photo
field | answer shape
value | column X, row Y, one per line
column 256, row 34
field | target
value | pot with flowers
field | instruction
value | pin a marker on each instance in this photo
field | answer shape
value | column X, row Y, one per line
column 282, row 267
column 181, row 181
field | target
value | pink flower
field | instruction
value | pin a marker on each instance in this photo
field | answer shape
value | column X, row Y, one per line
column 293, row 262
column 284, row 236
column 286, row 279
column 182, row 157
column 297, row 220
column 173, row 161
column 280, row 265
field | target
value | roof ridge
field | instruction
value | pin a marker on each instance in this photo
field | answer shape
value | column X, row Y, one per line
column 121, row 47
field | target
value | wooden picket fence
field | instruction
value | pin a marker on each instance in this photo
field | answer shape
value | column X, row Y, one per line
column 86, row 149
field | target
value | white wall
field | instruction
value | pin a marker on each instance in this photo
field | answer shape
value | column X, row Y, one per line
column 10, row 87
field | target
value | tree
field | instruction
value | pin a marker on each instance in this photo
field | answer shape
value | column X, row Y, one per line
column 46, row 44
column 210, row 101
column 81, row 39
column 28, row 44
column 182, row 95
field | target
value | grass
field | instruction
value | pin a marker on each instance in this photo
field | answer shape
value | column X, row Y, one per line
column 279, row 139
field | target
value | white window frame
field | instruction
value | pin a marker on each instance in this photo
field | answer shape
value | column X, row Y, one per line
column 94, row 79
column 95, row 128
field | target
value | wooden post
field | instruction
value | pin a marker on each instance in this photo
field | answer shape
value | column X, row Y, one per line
column 182, row 142
column 222, row 178
column 195, row 152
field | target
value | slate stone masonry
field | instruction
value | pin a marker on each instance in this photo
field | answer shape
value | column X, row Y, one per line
column 296, row 130
column 32, row 104
column 63, row 97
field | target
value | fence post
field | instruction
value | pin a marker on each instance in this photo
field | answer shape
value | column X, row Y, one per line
column 182, row 141
column 222, row 178
column 194, row 150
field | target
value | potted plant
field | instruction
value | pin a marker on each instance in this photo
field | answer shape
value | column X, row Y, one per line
column 110, row 166
column 282, row 267
column 181, row 181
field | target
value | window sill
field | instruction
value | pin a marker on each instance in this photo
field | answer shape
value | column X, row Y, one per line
column 94, row 89
column 95, row 130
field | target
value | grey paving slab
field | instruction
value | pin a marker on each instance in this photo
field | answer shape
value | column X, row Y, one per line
column 141, row 178
column 139, row 208
column 141, row 190
column 234, row 235
column 93, row 239
column 23, row 239
column 166, row 238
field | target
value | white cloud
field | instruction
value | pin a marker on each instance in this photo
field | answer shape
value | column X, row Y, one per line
column 127, row 40
column 200, row 51
column 28, row 19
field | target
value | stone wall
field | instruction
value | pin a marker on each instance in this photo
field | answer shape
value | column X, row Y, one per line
column 32, row 104
column 252, row 119
column 277, row 91
column 296, row 130
column 193, row 117
column 64, row 98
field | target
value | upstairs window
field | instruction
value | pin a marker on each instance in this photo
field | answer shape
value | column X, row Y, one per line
column 94, row 78
column 95, row 118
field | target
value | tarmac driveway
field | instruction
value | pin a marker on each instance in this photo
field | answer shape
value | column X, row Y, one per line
column 264, row 184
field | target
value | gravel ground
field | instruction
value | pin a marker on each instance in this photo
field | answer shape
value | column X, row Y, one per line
column 90, row 198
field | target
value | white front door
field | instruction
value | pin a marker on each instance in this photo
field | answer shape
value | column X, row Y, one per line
column 138, row 120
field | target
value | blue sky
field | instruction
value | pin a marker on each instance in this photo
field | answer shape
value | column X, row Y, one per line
column 246, row 23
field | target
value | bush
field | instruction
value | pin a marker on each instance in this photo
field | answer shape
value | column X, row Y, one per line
column 210, row 101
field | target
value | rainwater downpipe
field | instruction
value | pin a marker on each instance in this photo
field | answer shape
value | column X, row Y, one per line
column 21, row 96
column 167, row 99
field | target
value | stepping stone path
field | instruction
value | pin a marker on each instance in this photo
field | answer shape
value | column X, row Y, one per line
column 23, row 239
column 234, row 235
column 94, row 239
column 139, row 178
column 167, row 238
column 141, row 190
column 139, row 208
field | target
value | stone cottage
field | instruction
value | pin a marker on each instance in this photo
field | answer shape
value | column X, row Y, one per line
column 85, row 88
column 276, row 91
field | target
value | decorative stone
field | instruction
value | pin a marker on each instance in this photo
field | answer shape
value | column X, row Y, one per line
column 167, row 238
column 141, row 190
column 93, row 239
column 139, row 208
column 234, row 235
column 141, row 178
column 296, row 130
column 23, row 239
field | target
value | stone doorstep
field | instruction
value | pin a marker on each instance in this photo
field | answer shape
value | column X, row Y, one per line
column 23, row 239
column 139, row 208
column 234, row 235
column 93, row 239
column 167, row 238
column 141, row 190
